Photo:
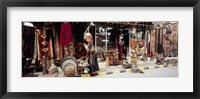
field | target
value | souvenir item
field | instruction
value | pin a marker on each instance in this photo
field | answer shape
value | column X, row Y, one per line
column 53, row 68
column 44, row 43
column 69, row 66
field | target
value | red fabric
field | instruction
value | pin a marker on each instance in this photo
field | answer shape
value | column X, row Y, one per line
column 65, row 34
column 121, row 49
column 44, row 48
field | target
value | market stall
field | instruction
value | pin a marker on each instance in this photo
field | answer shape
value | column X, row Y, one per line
column 83, row 47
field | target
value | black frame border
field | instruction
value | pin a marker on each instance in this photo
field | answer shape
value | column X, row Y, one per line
column 98, row 3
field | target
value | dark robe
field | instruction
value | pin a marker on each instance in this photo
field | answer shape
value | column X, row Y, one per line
column 28, row 38
column 94, row 66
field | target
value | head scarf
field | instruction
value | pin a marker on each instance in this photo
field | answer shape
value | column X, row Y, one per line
column 89, row 38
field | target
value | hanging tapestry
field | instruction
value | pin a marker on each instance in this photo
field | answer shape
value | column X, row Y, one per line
column 44, row 43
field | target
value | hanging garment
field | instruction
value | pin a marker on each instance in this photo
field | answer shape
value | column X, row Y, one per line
column 58, row 48
column 116, row 39
column 121, row 49
column 35, row 49
column 56, row 45
column 121, row 45
column 139, row 35
column 65, row 34
column 28, row 39
column 45, row 48
column 126, row 39
column 160, row 49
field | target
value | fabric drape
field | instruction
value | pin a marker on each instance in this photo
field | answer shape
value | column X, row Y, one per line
column 28, row 41
column 65, row 34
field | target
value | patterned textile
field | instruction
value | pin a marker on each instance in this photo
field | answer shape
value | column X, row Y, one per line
column 69, row 50
column 45, row 47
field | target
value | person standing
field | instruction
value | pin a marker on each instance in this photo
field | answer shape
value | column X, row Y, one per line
column 92, row 57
